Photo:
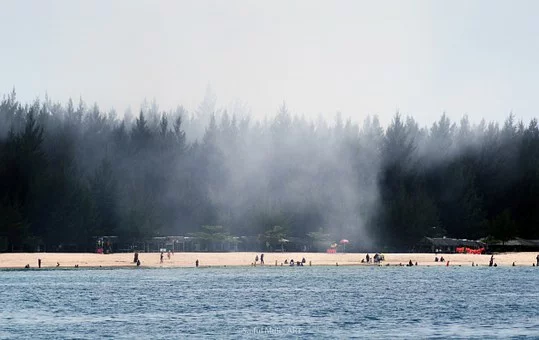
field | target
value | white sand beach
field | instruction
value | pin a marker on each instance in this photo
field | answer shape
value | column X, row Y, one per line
column 50, row 260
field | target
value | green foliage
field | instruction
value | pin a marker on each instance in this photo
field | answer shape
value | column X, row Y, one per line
column 274, row 237
column 319, row 240
column 503, row 227
column 68, row 173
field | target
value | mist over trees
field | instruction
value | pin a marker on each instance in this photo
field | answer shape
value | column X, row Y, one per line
column 69, row 172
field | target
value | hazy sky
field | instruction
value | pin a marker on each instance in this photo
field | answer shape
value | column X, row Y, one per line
column 357, row 57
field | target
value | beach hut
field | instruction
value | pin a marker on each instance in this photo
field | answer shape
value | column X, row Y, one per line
column 517, row 245
column 445, row 245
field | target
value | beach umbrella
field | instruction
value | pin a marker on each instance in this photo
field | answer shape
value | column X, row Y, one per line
column 282, row 241
column 344, row 242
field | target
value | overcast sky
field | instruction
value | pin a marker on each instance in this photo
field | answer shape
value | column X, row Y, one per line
column 357, row 57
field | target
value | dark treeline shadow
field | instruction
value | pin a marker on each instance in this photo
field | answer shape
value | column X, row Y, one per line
column 70, row 172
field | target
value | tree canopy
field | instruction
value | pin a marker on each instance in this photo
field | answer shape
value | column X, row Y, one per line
column 71, row 172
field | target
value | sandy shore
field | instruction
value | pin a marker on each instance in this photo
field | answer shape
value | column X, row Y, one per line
column 50, row 260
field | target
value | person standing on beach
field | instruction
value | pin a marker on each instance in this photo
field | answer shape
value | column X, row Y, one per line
column 196, row 263
column 39, row 263
column 161, row 259
column 537, row 258
column 491, row 262
column 262, row 259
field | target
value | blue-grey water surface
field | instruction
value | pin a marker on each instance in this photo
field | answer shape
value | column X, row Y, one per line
column 298, row 302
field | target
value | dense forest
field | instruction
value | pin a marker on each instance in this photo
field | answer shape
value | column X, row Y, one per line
column 70, row 171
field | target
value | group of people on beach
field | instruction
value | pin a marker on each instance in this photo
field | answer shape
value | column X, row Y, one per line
column 297, row 263
column 377, row 258
column 441, row 259
column 261, row 259
column 162, row 256
column 27, row 266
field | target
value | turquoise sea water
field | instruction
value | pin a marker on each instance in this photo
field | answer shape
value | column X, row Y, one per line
column 274, row 302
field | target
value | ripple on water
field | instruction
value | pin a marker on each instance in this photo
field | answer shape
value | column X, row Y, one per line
column 343, row 302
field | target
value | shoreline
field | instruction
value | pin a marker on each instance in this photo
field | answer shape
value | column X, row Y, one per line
column 246, row 259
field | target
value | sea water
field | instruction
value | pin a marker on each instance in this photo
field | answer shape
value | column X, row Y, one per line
column 275, row 302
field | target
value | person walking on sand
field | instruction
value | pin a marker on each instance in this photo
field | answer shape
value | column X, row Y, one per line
column 161, row 259
column 261, row 259
column 491, row 262
column 39, row 263
column 196, row 263
column 537, row 258
column 256, row 259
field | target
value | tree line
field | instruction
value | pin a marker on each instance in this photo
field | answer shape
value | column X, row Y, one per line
column 69, row 172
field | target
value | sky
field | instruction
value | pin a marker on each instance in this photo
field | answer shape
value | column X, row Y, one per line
column 421, row 58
